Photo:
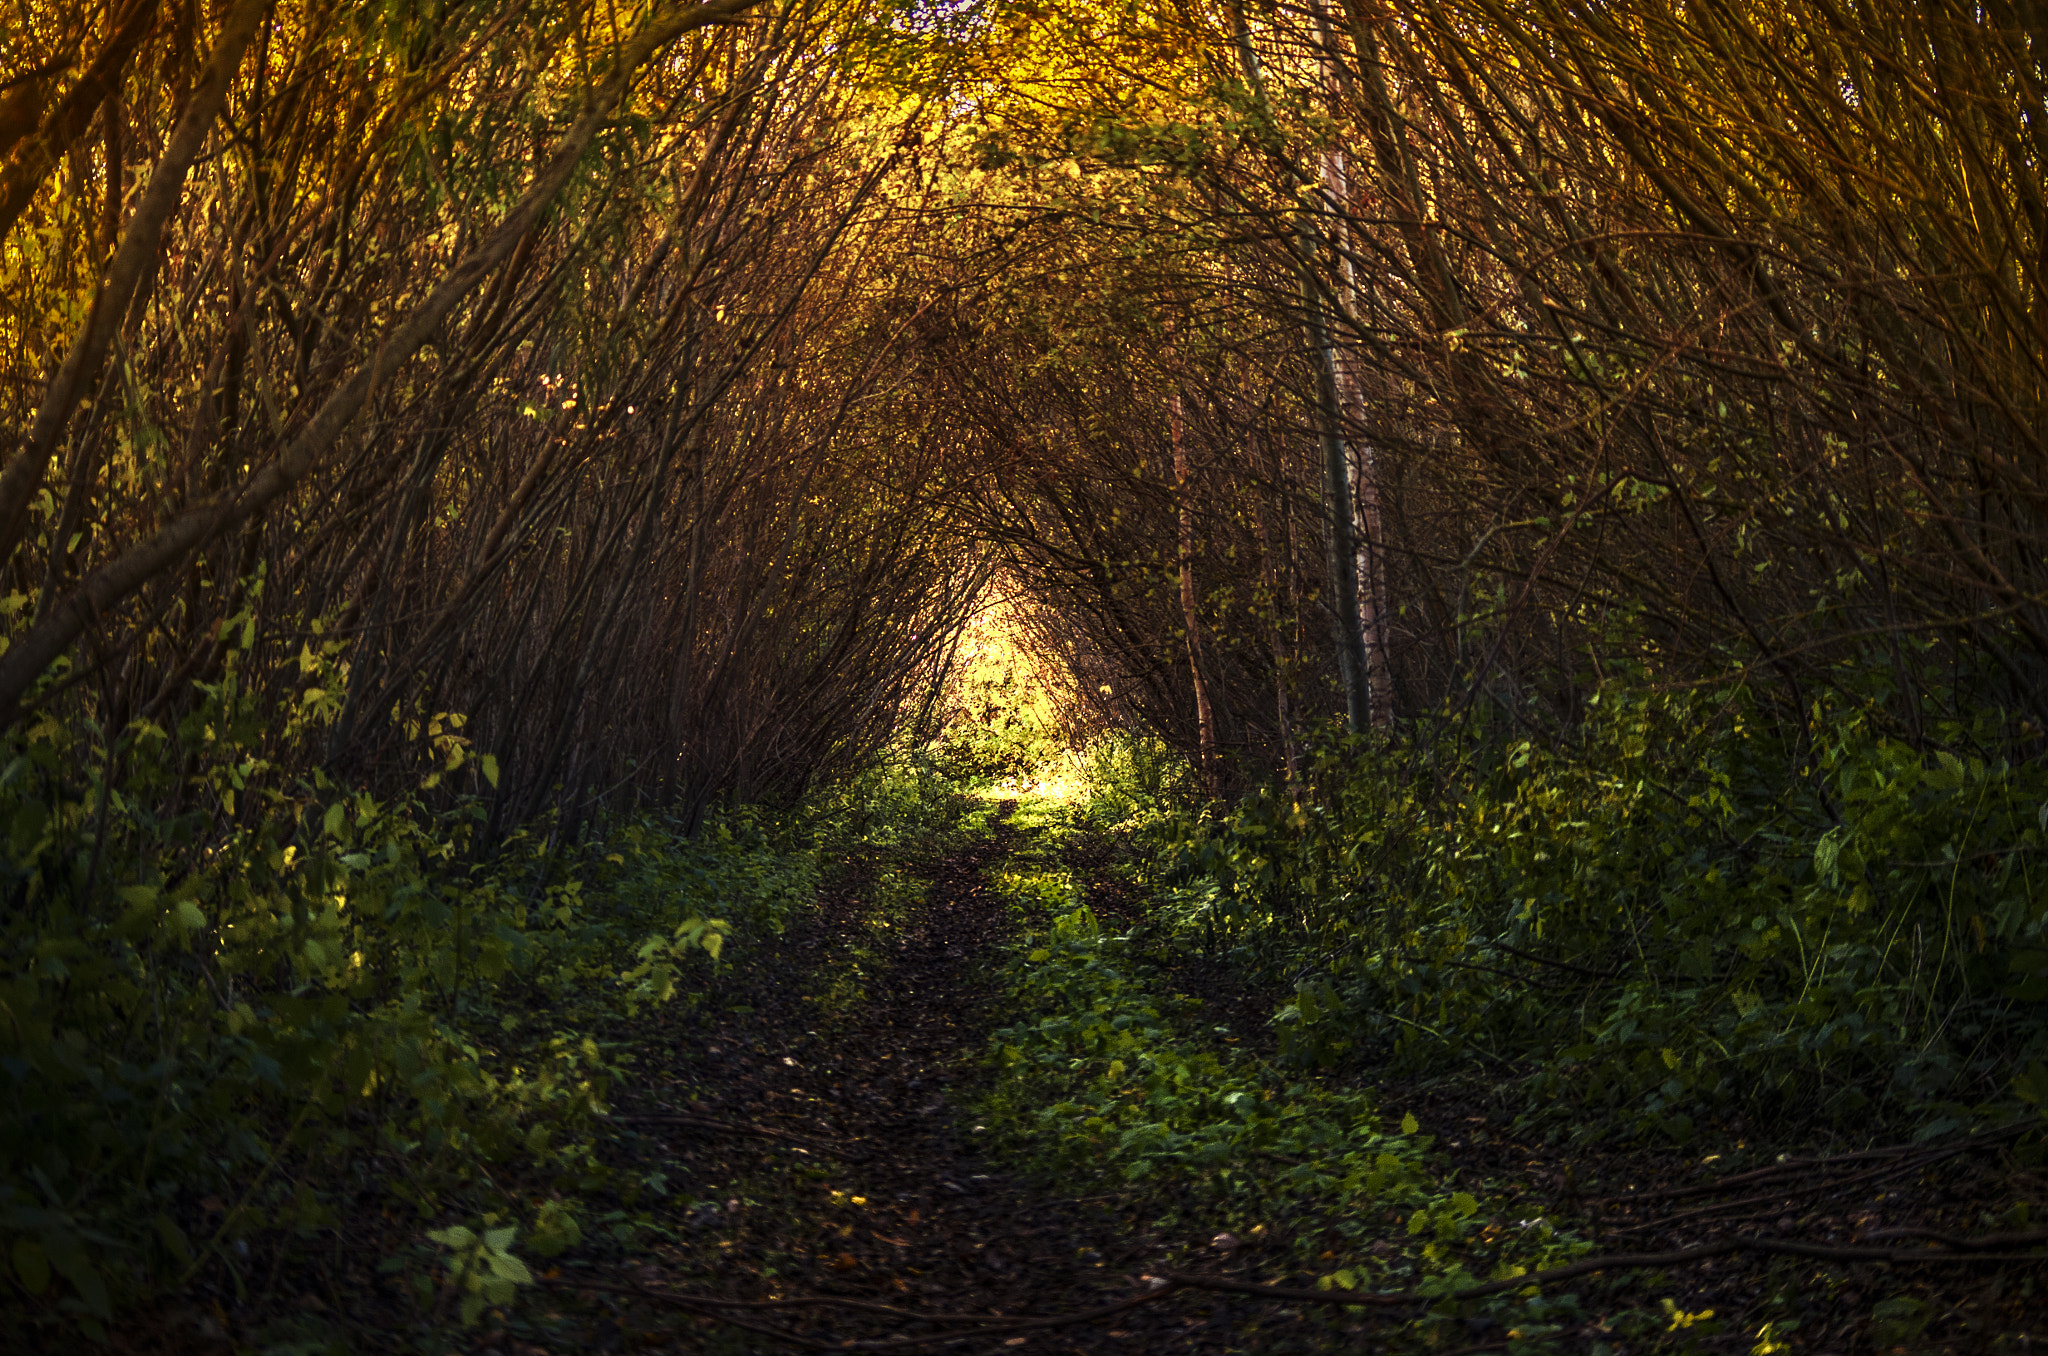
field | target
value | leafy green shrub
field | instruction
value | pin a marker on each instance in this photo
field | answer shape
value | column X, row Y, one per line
column 907, row 803
column 1684, row 909
column 481, row 1268
column 1102, row 1077
column 227, row 994
column 1132, row 782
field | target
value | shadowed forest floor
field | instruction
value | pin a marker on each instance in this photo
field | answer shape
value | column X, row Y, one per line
column 822, row 1109
column 849, row 1056
column 807, row 1144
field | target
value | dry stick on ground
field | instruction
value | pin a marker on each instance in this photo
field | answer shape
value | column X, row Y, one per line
column 1617, row 1262
column 994, row 1327
column 2014, row 1240
column 801, row 1302
column 1168, row 1282
column 1790, row 1192
column 847, row 1152
column 1800, row 1166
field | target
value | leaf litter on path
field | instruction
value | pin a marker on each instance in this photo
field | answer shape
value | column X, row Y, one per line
column 829, row 1190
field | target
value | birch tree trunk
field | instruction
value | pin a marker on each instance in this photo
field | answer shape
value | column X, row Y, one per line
column 1363, row 465
column 1339, row 528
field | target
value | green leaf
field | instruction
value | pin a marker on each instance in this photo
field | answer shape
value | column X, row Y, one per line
column 27, row 829
column 489, row 763
column 511, row 1268
column 1827, row 855
column 1409, row 1125
column 188, row 916
column 497, row 1240
column 336, row 820
column 455, row 1237
column 31, row 1266
column 555, row 1229
column 173, row 1238
column 67, row 1256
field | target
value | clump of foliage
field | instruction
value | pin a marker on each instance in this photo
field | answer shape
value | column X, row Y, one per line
column 1683, row 909
column 1101, row 1075
column 995, row 708
column 905, row 804
column 238, row 1002
column 1134, row 782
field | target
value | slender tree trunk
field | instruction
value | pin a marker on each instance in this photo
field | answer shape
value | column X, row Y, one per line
column 1345, row 622
column 1283, row 652
column 1368, row 533
column 1339, row 528
column 1205, row 714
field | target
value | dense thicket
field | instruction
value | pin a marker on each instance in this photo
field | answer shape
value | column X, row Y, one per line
column 1706, row 336
column 425, row 426
column 428, row 420
column 534, row 359
column 1635, row 416
column 636, row 388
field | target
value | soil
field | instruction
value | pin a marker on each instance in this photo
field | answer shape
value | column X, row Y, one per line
column 805, row 1144
column 858, row 1174
column 887, row 1198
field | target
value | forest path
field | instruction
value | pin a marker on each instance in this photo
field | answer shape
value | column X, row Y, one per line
column 815, row 1108
column 811, row 1123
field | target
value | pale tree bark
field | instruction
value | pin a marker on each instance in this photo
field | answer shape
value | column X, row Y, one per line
column 1369, row 536
column 1353, row 665
column 1340, row 529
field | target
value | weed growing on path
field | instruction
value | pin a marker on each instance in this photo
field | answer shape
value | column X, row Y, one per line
column 1109, row 1085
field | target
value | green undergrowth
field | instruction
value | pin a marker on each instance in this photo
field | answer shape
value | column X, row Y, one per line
column 1685, row 912
column 1105, row 1081
column 880, row 833
column 1682, row 915
column 243, row 1010
column 911, row 805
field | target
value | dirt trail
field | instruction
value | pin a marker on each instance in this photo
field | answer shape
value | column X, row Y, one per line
column 834, row 1158
column 812, row 1127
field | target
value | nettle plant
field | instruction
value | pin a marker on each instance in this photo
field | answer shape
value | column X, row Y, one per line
column 225, row 986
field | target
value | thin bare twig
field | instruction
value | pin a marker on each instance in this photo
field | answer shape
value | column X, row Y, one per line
column 993, row 1326
column 847, row 1152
